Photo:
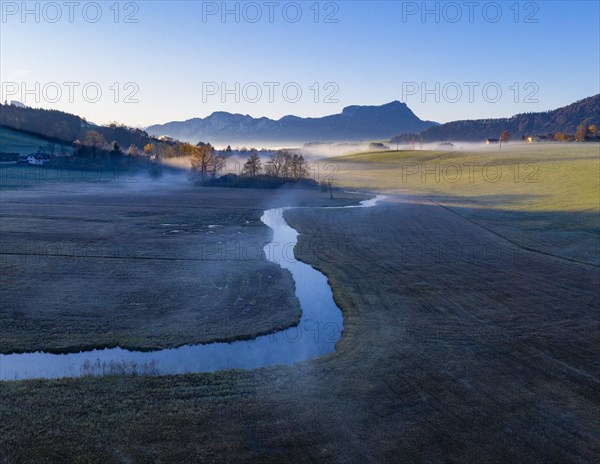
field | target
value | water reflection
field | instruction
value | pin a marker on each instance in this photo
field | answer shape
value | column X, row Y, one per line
column 319, row 329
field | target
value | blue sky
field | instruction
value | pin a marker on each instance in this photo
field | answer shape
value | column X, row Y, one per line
column 172, row 63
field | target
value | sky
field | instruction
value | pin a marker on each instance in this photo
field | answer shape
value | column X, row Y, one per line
column 148, row 62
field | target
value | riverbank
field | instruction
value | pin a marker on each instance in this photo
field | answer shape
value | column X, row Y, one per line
column 144, row 267
column 481, row 357
column 316, row 333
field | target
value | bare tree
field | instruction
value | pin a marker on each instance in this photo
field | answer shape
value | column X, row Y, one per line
column 269, row 169
column 202, row 159
column 581, row 132
column 217, row 165
column 253, row 165
column 298, row 167
column 95, row 140
column 280, row 164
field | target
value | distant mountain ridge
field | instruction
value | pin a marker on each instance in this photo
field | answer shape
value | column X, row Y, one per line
column 354, row 123
column 565, row 119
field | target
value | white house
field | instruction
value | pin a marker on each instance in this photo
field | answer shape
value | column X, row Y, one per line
column 38, row 159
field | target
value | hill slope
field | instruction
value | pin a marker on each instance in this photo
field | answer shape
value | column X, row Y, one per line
column 65, row 128
column 565, row 119
column 14, row 141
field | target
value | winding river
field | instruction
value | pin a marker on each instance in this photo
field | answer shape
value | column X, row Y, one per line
column 319, row 329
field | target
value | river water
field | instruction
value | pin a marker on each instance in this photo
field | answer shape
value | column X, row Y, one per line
column 319, row 329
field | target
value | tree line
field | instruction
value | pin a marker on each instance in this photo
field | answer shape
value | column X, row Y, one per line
column 582, row 133
column 69, row 129
column 208, row 163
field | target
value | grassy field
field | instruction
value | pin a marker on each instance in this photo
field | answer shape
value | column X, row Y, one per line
column 544, row 197
column 99, row 265
column 12, row 141
column 474, row 359
column 21, row 176
column 458, row 345
column 72, row 171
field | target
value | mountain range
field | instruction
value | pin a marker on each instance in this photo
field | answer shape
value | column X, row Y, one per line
column 354, row 123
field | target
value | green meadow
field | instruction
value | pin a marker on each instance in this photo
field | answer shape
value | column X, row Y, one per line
column 12, row 141
column 545, row 197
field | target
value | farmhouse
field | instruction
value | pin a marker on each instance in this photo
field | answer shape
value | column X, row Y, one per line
column 378, row 146
column 538, row 138
column 38, row 159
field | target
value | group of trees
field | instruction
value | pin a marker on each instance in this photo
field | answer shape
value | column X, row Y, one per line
column 105, row 142
column 582, row 134
column 252, row 166
column 206, row 161
column 282, row 165
column 157, row 150
column 95, row 145
column 95, row 142
column 564, row 137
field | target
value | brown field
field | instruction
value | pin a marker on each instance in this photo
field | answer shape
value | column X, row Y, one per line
column 139, row 270
column 458, row 346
